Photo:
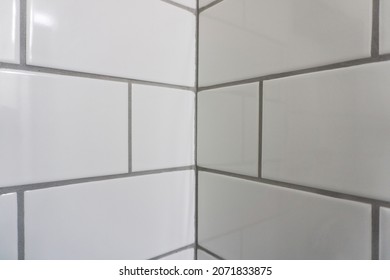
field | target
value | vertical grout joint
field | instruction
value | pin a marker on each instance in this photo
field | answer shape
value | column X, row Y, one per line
column 375, row 218
column 21, row 228
column 375, row 29
column 129, row 127
column 23, row 32
column 260, row 135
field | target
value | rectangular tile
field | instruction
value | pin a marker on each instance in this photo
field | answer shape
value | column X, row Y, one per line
column 132, row 218
column 228, row 129
column 330, row 130
column 384, row 245
column 384, row 26
column 147, row 40
column 241, row 219
column 8, row 227
column 242, row 39
column 9, row 31
column 182, row 255
column 61, row 127
column 162, row 127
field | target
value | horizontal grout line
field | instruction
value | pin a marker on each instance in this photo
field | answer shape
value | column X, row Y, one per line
column 71, row 73
column 209, row 252
column 191, row 246
column 333, row 66
column 318, row 191
column 46, row 185
column 188, row 9
column 208, row 6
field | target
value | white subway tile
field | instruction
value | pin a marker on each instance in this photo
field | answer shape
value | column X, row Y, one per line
column 330, row 130
column 202, row 255
column 61, row 127
column 131, row 218
column 182, row 255
column 147, row 40
column 384, row 26
column 384, row 245
column 228, row 129
column 241, row 39
column 8, row 227
column 162, row 127
column 241, row 219
column 9, row 31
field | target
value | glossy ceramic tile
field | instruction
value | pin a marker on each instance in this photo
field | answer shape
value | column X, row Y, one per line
column 240, row 219
column 8, row 227
column 182, row 255
column 202, row 255
column 228, row 129
column 242, row 39
column 61, row 127
column 187, row 3
column 162, row 127
column 147, row 40
column 330, row 130
column 384, row 26
column 384, row 245
column 132, row 218
column 9, row 31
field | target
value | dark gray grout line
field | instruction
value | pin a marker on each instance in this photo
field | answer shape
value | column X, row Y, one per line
column 20, row 221
column 191, row 246
column 260, row 140
column 188, row 9
column 375, row 29
column 292, row 186
column 210, row 253
column 196, row 218
column 375, row 217
column 47, row 70
column 212, row 4
column 130, row 127
column 375, row 208
column 333, row 66
column 52, row 184
column 23, row 32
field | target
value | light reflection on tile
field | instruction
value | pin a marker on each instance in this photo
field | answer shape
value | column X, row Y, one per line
column 228, row 125
column 147, row 40
column 9, row 31
column 132, row 218
column 60, row 127
column 241, row 39
column 330, row 130
column 162, row 127
column 240, row 219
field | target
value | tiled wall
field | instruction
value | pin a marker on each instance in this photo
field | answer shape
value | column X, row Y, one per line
column 97, row 129
column 293, row 129
column 100, row 125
